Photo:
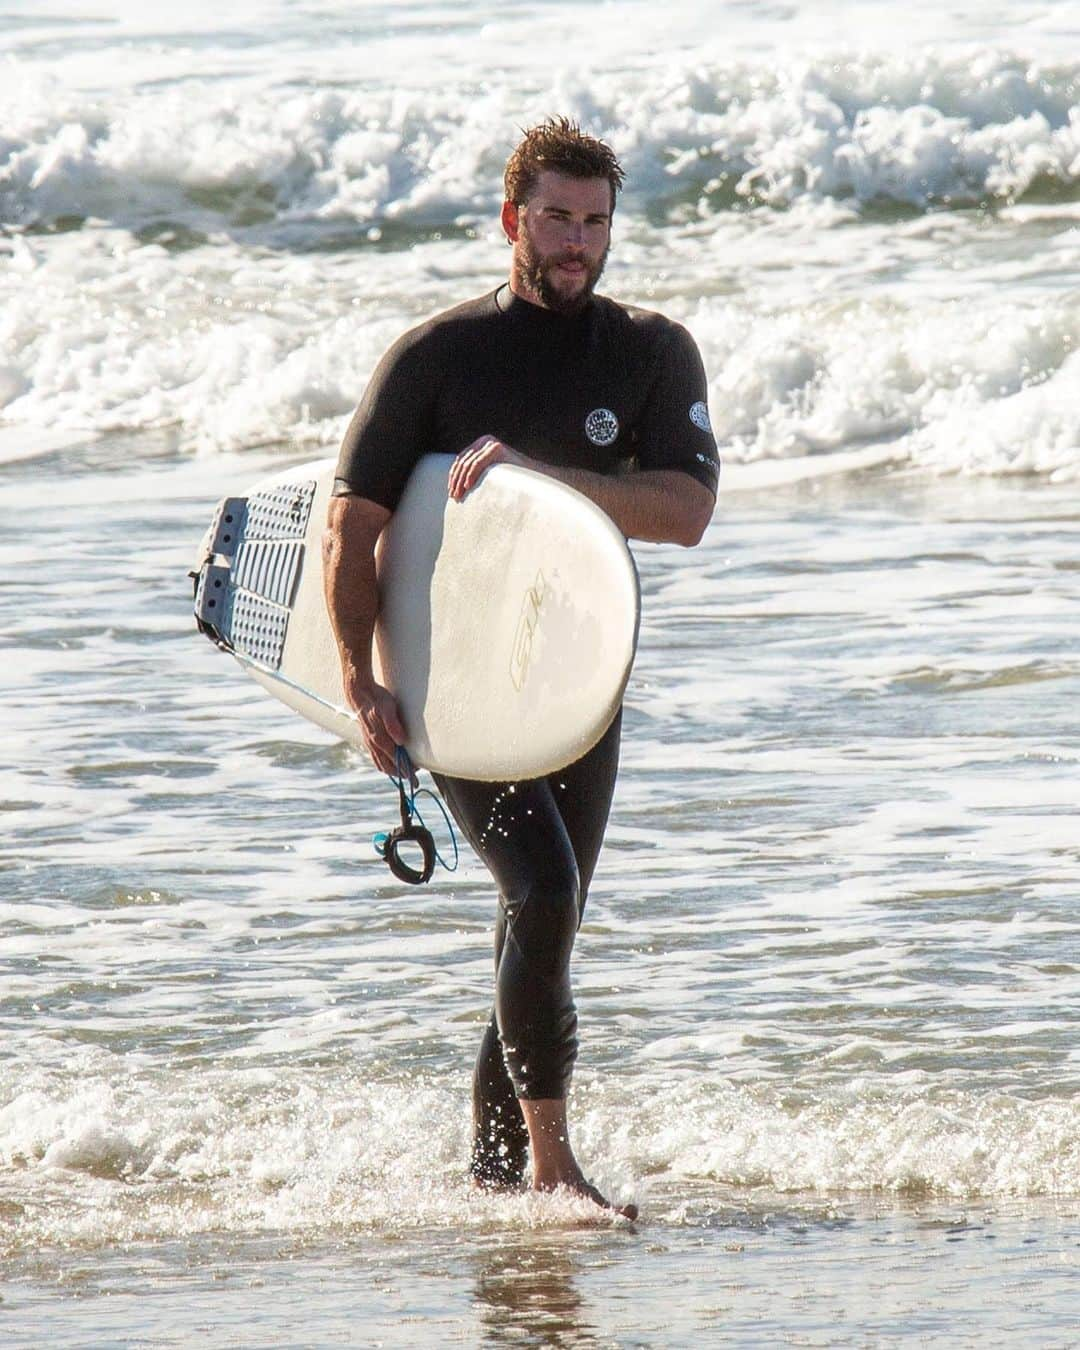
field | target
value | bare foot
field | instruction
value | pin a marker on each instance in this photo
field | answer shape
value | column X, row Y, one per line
column 553, row 1160
column 577, row 1185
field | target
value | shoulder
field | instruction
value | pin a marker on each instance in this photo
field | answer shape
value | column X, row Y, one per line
column 652, row 332
column 447, row 328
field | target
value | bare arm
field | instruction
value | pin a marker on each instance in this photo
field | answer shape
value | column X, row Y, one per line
column 664, row 506
column 353, row 525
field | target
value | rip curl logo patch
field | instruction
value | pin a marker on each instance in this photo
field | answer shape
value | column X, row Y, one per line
column 699, row 415
column 602, row 426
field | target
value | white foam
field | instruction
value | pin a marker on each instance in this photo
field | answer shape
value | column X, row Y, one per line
column 991, row 1146
column 241, row 355
column 972, row 388
column 127, row 1153
column 940, row 126
column 825, row 333
column 1030, row 429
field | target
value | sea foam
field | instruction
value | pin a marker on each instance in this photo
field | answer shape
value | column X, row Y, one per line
column 230, row 256
column 126, row 1154
column 956, row 127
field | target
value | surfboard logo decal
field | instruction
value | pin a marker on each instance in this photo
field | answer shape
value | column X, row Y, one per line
column 521, row 653
column 699, row 415
column 602, row 426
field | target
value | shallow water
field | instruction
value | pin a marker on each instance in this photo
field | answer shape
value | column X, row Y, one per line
column 829, row 974
column 793, row 1273
column 830, row 956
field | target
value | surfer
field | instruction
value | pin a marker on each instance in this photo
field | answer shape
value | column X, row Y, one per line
column 609, row 399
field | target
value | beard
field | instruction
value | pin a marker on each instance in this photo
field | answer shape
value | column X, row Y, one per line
column 534, row 272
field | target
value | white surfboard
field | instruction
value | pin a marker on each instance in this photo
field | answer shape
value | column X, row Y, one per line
column 507, row 622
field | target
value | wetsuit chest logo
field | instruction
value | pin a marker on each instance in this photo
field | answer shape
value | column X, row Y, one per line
column 602, row 426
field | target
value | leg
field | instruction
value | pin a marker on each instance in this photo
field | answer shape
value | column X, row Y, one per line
column 583, row 793
column 518, row 832
column 506, row 825
column 541, row 840
column 500, row 1147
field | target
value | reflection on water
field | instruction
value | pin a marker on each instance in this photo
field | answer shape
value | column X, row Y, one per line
column 531, row 1287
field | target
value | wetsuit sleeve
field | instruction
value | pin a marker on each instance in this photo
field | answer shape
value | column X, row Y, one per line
column 673, row 431
column 392, row 427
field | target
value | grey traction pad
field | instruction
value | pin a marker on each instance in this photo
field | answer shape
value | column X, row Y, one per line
column 247, row 579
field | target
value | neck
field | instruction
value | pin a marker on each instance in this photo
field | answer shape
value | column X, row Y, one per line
column 524, row 292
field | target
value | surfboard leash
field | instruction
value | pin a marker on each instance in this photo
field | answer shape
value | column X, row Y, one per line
column 412, row 829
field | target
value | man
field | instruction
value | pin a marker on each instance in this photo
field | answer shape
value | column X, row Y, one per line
column 611, row 400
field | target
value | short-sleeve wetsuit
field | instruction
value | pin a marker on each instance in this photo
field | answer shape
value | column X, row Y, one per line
column 609, row 389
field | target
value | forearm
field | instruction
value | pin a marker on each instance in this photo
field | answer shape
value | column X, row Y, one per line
column 350, row 583
column 657, row 505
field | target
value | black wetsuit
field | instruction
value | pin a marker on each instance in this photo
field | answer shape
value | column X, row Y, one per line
column 608, row 389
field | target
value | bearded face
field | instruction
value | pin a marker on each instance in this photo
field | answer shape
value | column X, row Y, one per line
column 562, row 281
column 560, row 238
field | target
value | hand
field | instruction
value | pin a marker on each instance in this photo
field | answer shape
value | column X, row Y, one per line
column 379, row 721
column 468, row 468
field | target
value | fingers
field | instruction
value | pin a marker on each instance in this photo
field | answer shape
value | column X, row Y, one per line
column 392, row 721
column 380, row 726
column 468, row 468
column 380, row 746
column 470, row 464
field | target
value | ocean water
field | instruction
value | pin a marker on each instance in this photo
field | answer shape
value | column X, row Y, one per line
column 829, row 977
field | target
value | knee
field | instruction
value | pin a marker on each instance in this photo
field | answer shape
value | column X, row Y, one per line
column 543, row 917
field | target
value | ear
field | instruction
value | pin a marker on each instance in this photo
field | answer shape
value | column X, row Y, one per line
column 510, row 222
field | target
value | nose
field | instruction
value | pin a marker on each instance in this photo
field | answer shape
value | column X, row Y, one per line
column 575, row 234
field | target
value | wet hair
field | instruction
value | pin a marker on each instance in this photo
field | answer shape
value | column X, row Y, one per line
column 561, row 146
